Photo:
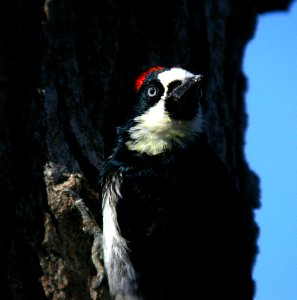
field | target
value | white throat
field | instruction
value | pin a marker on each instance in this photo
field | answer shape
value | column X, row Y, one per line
column 155, row 132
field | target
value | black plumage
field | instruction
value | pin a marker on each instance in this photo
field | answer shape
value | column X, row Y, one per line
column 181, row 218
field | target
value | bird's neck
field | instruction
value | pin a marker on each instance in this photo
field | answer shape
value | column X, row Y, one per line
column 164, row 135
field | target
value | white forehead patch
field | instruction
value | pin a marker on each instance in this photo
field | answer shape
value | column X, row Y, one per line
column 173, row 74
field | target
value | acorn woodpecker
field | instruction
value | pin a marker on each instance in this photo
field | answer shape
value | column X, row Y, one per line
column 172, row 217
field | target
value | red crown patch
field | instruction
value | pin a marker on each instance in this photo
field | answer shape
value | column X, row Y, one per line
column 141, row 78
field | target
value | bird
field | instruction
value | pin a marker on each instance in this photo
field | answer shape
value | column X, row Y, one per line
column 173, row 220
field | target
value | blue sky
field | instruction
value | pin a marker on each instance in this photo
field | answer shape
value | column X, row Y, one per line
column 271, row 149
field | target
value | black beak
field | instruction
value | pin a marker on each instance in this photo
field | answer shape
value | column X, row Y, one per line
column 183, row 101
column 179, row 91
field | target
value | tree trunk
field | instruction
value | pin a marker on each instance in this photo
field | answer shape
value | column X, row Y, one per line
column 67, row 70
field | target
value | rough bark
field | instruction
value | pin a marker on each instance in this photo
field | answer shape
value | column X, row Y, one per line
column 66, row 75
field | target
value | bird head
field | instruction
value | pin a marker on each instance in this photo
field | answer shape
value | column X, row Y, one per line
column 168, row 110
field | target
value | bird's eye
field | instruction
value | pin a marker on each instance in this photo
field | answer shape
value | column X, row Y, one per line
column 152, row 91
